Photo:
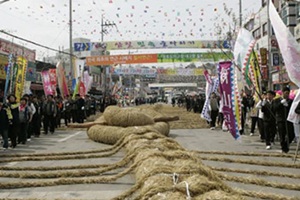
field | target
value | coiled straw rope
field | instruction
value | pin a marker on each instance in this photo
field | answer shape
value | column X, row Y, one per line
column 153, row 159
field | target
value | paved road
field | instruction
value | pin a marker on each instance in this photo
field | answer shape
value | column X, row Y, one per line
column 75, row 140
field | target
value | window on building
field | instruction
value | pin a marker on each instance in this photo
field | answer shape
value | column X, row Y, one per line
column 265, row 29
column 257, row 34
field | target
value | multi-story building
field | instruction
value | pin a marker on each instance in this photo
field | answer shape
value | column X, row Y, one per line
column 273, row 70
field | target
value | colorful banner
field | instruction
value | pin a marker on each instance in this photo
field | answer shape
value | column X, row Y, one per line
column 27, row 86
column 61, row 79
column 156, row 58
column 20, row 78
column 133, row 71
column 81, row 89
column 8, row 71
column 87, row 81
column 3, row 64
column 212, row 85
column 124, row 45
column 31, row 72
column 121, row 59
column 46, row 83
column 182, row 72
column 226, row 74
column 53, row 80
column 154, row 72
column 76, row 88
column 15, row 70
column 192, row 57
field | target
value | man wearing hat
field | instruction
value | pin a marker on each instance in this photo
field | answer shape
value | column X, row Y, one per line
column 269, row 118
column 282, row 108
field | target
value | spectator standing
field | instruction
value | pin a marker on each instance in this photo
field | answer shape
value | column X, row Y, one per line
column 49, row 111
column 214, row 110
column 36, row 118
column 80, row 105
column 282, row 107
column 25, row 118
column 14, row 128
column 253, row 114
column 261, row 117
column 269, row 118
column 6, row 120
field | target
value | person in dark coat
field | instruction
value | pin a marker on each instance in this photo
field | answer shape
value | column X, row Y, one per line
column 80, row 106
column 282, row 108
column 49, row 112
column 269, row 118
column 36, row 118
column 6, row 120
column 14, row 128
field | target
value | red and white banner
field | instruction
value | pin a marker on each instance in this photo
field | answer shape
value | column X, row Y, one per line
column 53, row 80
column 46, row 83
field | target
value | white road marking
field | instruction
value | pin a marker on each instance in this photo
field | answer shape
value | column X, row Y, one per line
column 70, row 136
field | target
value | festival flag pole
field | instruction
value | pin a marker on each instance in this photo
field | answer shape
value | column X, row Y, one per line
column 257, row 92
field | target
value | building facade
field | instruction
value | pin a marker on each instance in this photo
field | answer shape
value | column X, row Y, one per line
column 274, row 75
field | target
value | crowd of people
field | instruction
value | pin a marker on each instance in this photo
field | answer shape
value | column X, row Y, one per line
column 26, row 119
column 192, row 103
column 267, row 113
column 20, row 121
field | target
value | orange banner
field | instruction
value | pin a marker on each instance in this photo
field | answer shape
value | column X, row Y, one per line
column 121, row 59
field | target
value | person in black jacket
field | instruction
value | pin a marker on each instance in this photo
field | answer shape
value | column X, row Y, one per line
column 36, row 118
column 14, row 128
column 49, row 112
column 80, row 103
column 6, row 120
column 282, row 107
column 269, row 118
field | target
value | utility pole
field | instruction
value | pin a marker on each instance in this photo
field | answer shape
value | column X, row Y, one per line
column 70, row 40
column 104, row 26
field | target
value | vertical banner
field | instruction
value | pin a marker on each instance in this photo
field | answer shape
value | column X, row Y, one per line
column 46, row 83
column 27, row 85
column 87, row 81
column 12, row 89
column 20, row 78
column 76, row 88
column 31, row 71
column 211, row 86
column 7, row 81
column 53, row 80
column 81, row 89
column 61, row 79
column 226, row 78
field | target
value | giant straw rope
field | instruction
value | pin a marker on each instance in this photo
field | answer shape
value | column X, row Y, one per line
column 163, row 169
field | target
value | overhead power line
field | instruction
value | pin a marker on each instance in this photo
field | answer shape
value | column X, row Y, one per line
column 36, row 44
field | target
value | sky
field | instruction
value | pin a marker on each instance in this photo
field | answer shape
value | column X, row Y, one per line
column 47, row 22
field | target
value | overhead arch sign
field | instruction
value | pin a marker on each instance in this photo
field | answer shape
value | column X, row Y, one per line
column 156, row 58
column 156, row 44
